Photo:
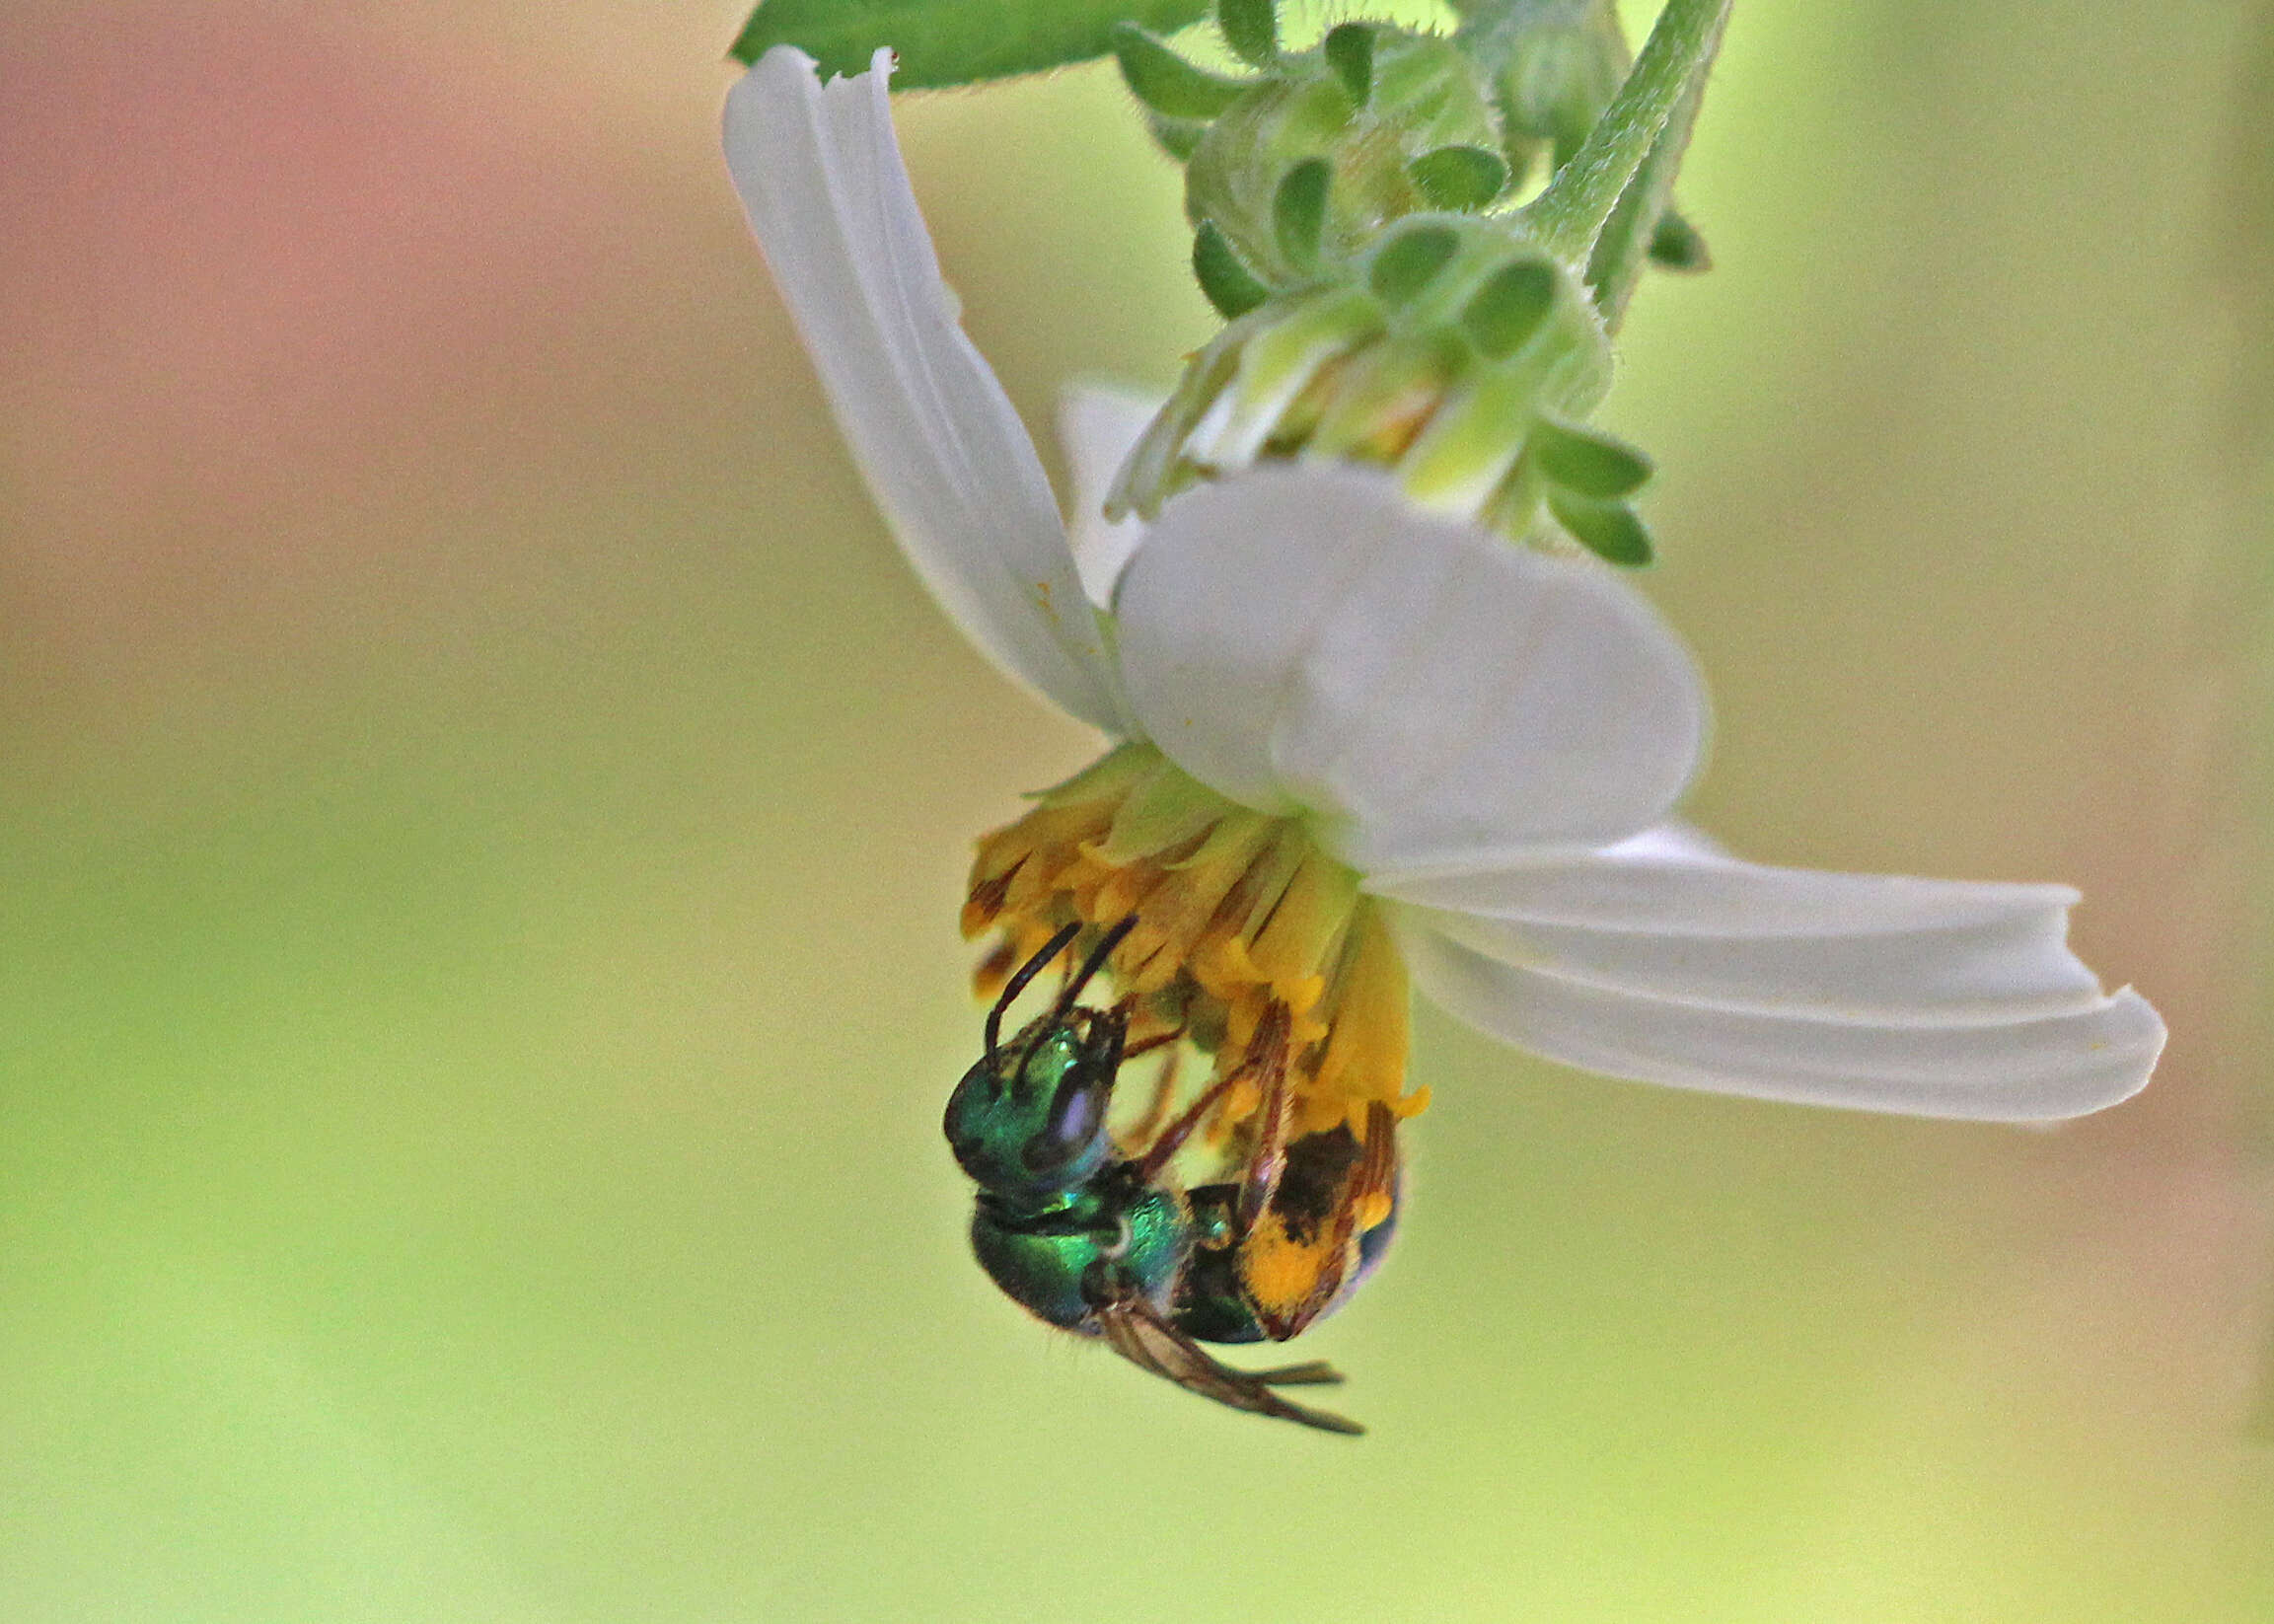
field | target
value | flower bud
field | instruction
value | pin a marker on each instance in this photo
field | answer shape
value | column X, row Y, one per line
column 1422, row 95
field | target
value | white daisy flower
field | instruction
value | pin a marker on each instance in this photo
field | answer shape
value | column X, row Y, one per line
column 1353, row 741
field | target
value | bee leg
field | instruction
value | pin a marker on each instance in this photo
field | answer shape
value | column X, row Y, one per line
column 1376, row 1177
column 1148, row 1126
column 1294, row 1264
column 1173, row 1137
column 1267, row 1053
column 1146, row 1045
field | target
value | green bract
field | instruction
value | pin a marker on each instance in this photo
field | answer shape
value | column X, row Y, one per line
column 1421, row 96
column 952, row 42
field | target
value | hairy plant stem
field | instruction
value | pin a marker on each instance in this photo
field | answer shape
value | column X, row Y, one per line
column 1623, row 247
column 1570, row 216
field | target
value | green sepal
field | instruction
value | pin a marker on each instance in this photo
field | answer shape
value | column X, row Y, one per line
column 1252, row 29
column 1461, row 178
column 1299, row 212
column 1229, row 285
column 1410, row 261
column 1588, row 462
column 1350, row 52
column 1677, row 245
column 1609, row 530
column 1504, row 314
column 1165, row 82
column 1180, row 138
column 953, row 41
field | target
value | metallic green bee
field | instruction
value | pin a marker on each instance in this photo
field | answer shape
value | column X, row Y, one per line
column 1105, row 1245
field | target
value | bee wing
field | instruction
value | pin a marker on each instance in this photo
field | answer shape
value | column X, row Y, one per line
column 1135, row 1330
column 1314, row 1372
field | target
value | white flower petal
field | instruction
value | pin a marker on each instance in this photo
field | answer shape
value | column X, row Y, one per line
column 2024, row 1071
column 1672, row 840
column 1303, row 640
column 945, row 455
column 1845, row 969
column 1671, row 880
column 1667, row 915
column 1098, row 425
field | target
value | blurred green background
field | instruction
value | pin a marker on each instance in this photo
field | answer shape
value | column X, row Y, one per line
column 482, row 809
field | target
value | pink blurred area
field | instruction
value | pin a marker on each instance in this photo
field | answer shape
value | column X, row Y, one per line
column 288, row 301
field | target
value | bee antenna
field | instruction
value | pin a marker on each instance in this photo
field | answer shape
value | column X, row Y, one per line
column 1017, row 983
column 1092, row 964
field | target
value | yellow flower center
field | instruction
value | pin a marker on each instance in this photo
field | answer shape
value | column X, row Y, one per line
column 1246, row 937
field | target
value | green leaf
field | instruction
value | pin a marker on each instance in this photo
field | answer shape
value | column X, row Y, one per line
column 1410, row 261
column 1229, row 285
column 1251, row 29
column 1165, row 82
column 1350, row 50
column 1459, row 177
column 1299, row 212
column 1588, row 462
column 1504, row 314
column 1609, row 530
column 953, row 41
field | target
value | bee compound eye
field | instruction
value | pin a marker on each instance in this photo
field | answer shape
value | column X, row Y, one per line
column 1076, row 1120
